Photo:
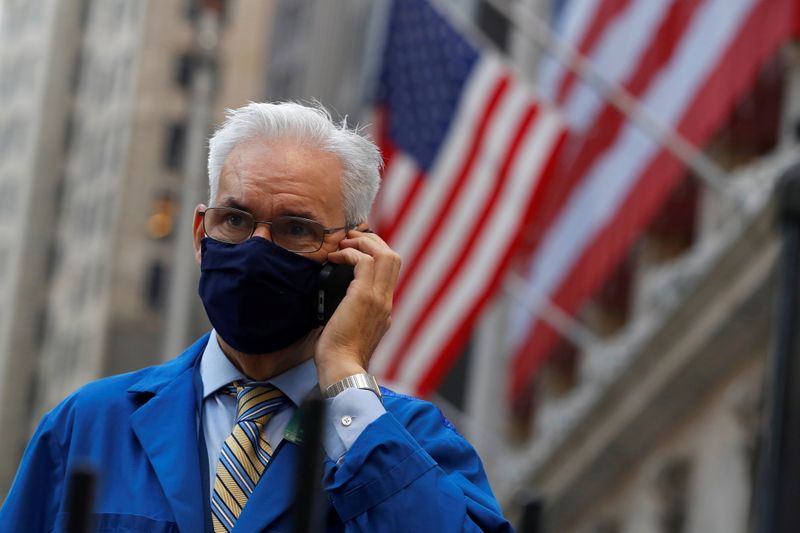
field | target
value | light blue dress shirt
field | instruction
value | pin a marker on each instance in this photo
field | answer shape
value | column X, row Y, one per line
column 347, row 414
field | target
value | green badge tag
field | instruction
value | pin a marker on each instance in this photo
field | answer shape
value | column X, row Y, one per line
column 294, row 431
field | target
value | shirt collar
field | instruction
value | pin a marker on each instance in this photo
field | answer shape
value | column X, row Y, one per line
column 216, row 371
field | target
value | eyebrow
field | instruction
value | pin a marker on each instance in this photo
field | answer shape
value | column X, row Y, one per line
column 230, row 201
column 302, row 214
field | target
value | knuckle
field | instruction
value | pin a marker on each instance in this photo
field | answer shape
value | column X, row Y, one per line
column 365, row 297
column 376, row 300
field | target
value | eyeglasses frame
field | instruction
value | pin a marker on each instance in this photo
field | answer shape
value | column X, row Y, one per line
column 325, row 231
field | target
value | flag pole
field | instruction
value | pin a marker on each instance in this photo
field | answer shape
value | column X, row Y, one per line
column 681, row 148
column 561, row 321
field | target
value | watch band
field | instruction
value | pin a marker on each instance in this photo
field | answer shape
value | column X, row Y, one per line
column 356, row 381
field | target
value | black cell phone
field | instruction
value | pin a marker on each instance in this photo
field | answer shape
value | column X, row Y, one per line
column 333, row 282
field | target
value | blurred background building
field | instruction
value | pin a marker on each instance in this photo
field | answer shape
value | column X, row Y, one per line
column 645, row 415
column 94, row 132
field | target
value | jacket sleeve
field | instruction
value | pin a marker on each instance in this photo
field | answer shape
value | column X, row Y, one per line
column 420, row 475
column 35, row 496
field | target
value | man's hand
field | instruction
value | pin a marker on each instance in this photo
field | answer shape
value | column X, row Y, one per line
column 346, row 344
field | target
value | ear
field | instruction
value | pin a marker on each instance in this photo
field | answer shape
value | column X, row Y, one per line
column 197, row 228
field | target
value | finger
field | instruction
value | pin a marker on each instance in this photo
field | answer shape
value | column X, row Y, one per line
column 387, row 262
column 346, row 256
column 396, row 272
column 364, row 263
column 354, row 233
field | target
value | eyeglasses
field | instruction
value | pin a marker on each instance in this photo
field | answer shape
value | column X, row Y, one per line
column 296, row 234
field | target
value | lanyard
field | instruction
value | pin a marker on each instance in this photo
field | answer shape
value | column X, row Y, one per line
column 202, row 451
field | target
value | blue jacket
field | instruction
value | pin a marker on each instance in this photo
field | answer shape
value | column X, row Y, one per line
column 408, row 471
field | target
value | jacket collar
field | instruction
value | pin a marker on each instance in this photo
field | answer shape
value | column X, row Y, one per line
column 166, row 427
column 160, row 376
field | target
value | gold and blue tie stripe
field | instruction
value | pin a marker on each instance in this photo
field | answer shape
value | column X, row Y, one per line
column 245, row 453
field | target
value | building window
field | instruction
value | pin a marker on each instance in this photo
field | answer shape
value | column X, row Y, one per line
column 154, row 286
column 523, row 416
column 672, row 231
column 454, row 384
column 494, row 25
column 85, row 8
column 753, row 128
column 183, row 70
column 609, row 310
column 69, row 132
column 40, row 328
column 672, row 487
column 52, row 259
column 161, row 222
column 174, row 147
column 192, row 9
column 559, row 374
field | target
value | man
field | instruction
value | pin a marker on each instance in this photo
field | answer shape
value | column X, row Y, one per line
column 208, row 441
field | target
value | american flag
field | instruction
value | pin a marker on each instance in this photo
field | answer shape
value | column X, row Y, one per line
column 467, row 145
column 688, row 62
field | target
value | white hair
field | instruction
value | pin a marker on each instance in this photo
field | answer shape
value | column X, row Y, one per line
column 361, row 160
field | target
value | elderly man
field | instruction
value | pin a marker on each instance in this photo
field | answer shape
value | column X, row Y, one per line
column 208, row 441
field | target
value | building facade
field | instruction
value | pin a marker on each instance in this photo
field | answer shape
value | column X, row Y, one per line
column 650, row 425
column 37, row 83
column 655, row 423
column 94, row 155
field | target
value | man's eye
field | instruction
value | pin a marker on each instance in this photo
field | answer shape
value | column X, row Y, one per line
column 235, row 221
column 296, row 229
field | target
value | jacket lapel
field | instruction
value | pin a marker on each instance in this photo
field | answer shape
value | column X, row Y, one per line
column 274, row 493
column 166, row 426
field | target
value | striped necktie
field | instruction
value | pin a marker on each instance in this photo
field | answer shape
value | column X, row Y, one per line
column 245, row 453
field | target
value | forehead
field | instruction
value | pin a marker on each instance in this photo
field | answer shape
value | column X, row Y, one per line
column 283, row 176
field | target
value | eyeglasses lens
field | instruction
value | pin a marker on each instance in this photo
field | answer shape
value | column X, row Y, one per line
column 228, row 225
column 297, row 234
column 234, row 226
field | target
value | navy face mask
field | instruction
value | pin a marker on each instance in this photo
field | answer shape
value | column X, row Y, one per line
column 258, row 296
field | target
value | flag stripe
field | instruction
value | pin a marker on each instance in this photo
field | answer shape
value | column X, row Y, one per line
column 611, row 177
column 425, row 207
column 475, row 231
column 744, row 35
column 491, row 128
column 610, row 121
column 451, row 348
column 457, row 222
column 458, row 188
column 618, row 54
column 415, row 184
column 571, row 27
column 452, row 233
column 606, row 13
column 396, row 189
column 446, row 183
column 498, row 236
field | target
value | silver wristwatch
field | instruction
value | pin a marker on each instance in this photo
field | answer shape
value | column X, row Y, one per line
column 356, row 381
